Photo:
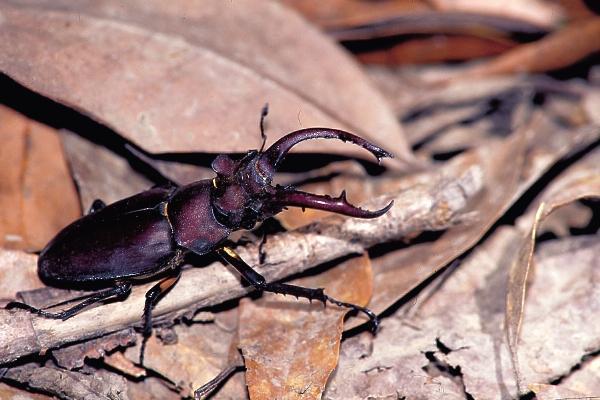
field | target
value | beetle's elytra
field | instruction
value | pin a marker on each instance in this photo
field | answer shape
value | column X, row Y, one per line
column 149, row 233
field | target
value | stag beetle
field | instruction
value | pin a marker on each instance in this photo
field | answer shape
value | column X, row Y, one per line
column 148, row 234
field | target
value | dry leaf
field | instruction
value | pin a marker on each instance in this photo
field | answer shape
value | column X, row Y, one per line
column 580, row 181
column 199, row 353
column 109, row 177
column 101, row 385
column 37, row 195
column 528, row 155
column 73, row 356
column 537, row 12
column 13, row 393
column 459, row 327
column 151, row 389
column 290, row 348
column 172, row 77
column 18, row 272
column 558, row 50
column 436, row 48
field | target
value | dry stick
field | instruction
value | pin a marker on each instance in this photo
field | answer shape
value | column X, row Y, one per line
column 433, row 205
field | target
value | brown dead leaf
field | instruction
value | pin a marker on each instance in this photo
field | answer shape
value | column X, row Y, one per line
column 18, row 272
column 580, row 181
column 151, row 389
column 290, row 348
column 172, row 77
column 37, row 195
column 558, row 50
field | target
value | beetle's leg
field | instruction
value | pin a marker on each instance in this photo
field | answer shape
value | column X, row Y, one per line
column 96, row 206
column 263, row 114
column 211, row 385
column 260, row 283
column 120, row 290
column 152, row 297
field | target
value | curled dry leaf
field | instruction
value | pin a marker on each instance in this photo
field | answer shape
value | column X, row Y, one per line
column 537, row 12
column 37, row 195
column 171, row 77
column 290, row 348
column 580, row 181
column 558, row 50
column 437, row 48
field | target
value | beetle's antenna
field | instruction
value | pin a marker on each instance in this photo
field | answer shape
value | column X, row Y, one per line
column 263, row 114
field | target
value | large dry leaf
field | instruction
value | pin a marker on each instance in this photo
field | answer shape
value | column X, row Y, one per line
column 37, row 195
column 290, row 348
column 580, row 181
column 459, row 328
column 174, row 76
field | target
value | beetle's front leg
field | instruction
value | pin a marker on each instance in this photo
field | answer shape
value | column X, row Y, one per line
column 260, row 283
column 152, row 297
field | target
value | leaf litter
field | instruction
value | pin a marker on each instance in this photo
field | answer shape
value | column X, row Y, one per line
column 428, row 347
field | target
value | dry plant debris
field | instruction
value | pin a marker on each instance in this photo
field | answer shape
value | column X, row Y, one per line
column 485, row 271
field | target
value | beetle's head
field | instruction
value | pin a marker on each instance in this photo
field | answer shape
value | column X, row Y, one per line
column 242, row 194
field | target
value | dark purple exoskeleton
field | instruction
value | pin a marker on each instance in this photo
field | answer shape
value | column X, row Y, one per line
column 150, row 233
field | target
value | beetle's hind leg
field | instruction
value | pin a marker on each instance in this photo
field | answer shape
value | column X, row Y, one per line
column 259, row 282
column 119, row 291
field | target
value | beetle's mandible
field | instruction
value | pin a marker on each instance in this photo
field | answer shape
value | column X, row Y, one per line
column 148, row 234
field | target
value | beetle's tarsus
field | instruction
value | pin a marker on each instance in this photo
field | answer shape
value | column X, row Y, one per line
column 208, row 387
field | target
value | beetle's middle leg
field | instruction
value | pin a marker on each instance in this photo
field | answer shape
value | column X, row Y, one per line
column 260, row 283
column 121, row 290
